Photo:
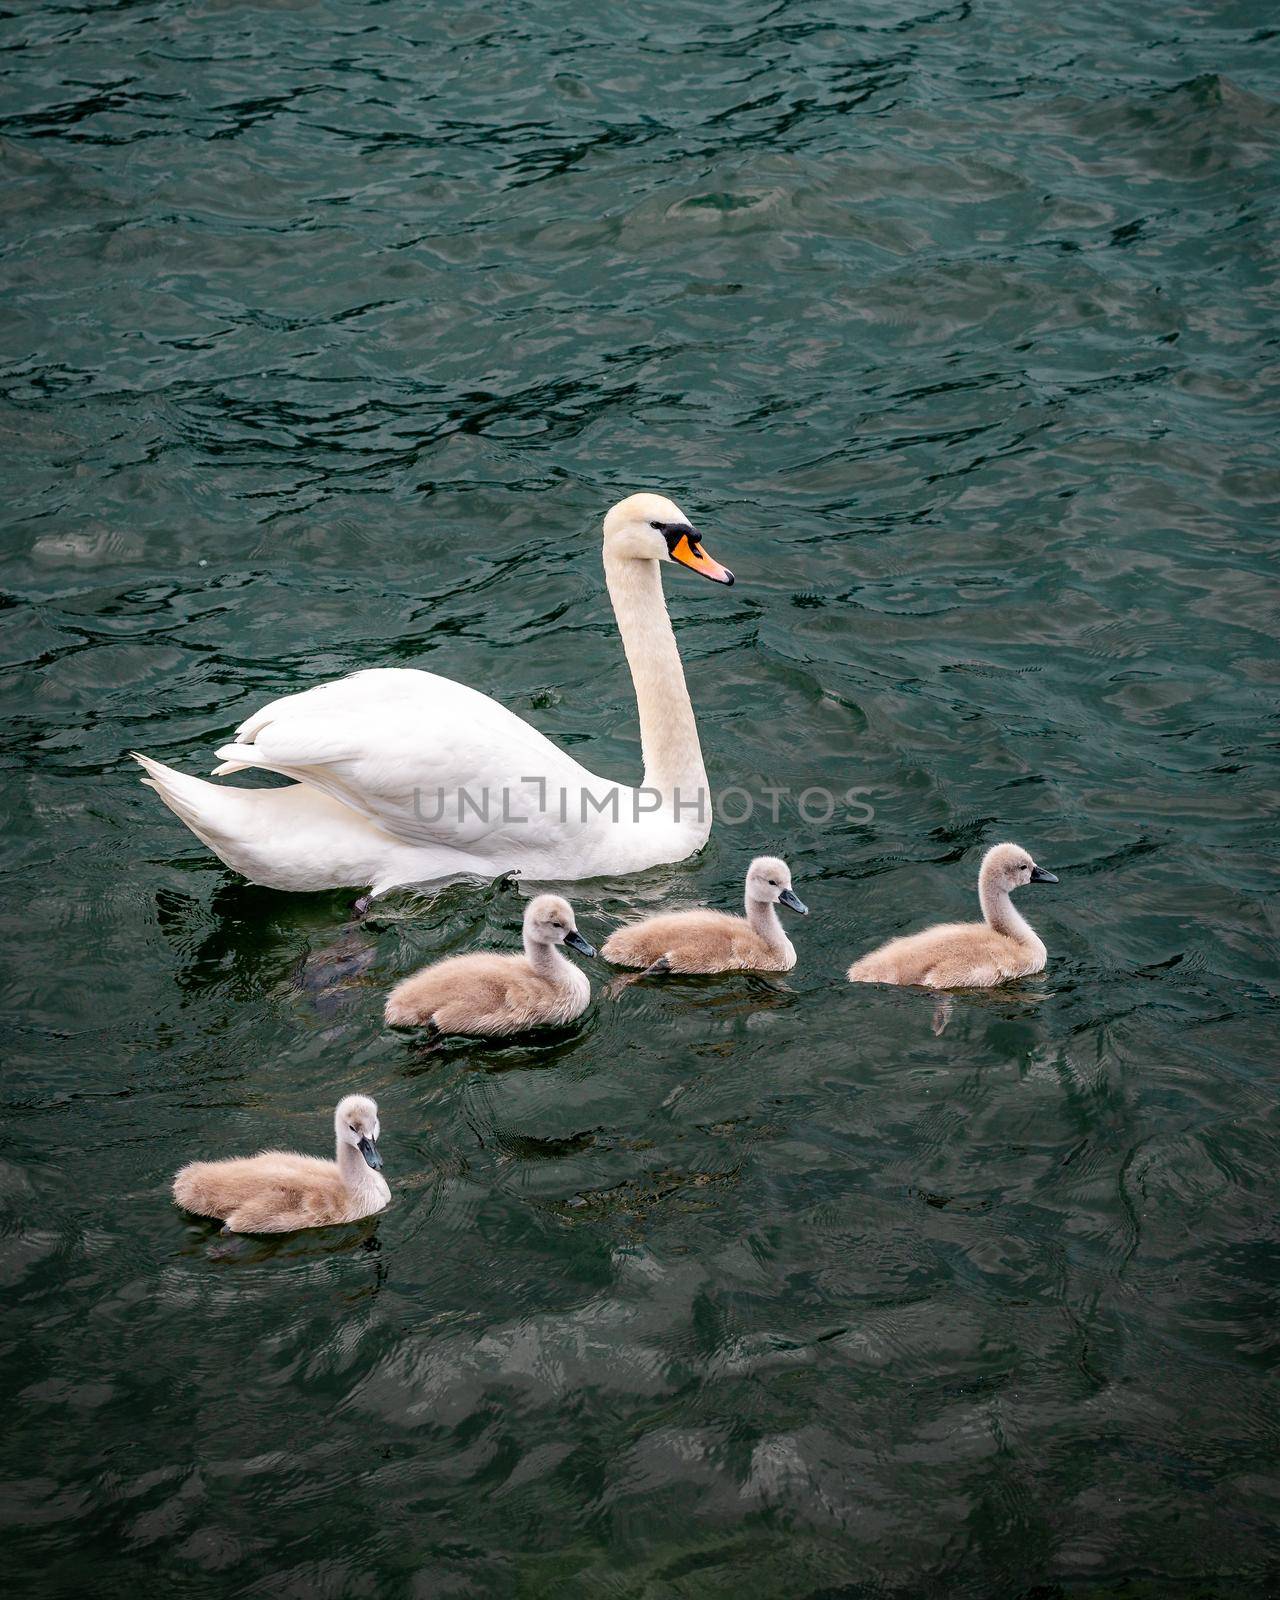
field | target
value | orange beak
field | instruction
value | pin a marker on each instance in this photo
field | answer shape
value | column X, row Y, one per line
column 691, row 554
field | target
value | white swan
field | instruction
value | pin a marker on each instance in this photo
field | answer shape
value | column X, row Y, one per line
column 406, row 777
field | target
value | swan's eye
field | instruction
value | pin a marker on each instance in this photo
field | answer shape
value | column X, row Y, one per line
column 656, row 526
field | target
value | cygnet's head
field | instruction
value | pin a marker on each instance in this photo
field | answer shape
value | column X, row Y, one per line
column 549, row 920
column 1009, row 866
column 769, row 880
column 649, row 527
column 356, row 1123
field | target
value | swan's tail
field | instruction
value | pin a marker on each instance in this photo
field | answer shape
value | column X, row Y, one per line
column 293, row 837
column 202, row 806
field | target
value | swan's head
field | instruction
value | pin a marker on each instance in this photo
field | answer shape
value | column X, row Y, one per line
column 1009, row 866
column 549, row 920
column 649, row 527
column 769, row 880
column 356, row 1123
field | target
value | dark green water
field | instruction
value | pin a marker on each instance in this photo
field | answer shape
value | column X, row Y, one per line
column 330, row 332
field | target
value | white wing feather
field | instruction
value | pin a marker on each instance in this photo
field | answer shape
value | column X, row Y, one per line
column 401, row 747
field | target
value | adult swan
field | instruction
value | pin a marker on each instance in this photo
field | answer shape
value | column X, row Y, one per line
column 405, row 777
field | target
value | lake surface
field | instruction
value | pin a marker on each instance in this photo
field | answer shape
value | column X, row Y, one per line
column 330, row 332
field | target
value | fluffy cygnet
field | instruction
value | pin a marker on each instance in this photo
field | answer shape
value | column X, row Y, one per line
column 965, row 955
column 280, row 1191
column 488, row 993
column 713, row 941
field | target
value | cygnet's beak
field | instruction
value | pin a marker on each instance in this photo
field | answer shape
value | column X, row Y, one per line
column 369, row 1150
column 1039, row 875
column 787, row 898
column 685, row 545
column 575, row 941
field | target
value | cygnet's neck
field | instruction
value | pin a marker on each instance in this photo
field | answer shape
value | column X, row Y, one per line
column 355, row 1171
column 548, row 961
column 762, row 916
column 998, row 910
column 668, row 732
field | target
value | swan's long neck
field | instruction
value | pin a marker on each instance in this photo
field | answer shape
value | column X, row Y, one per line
column 668, row 732
column 762, row 915
column 997, row 909
column 354, row 1170
column 547, row 960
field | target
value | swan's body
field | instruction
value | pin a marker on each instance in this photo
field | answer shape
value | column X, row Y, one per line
column 487, row 993
column 968, row 955
column 713, row 941
column 279, row 1191
column 402, row 776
